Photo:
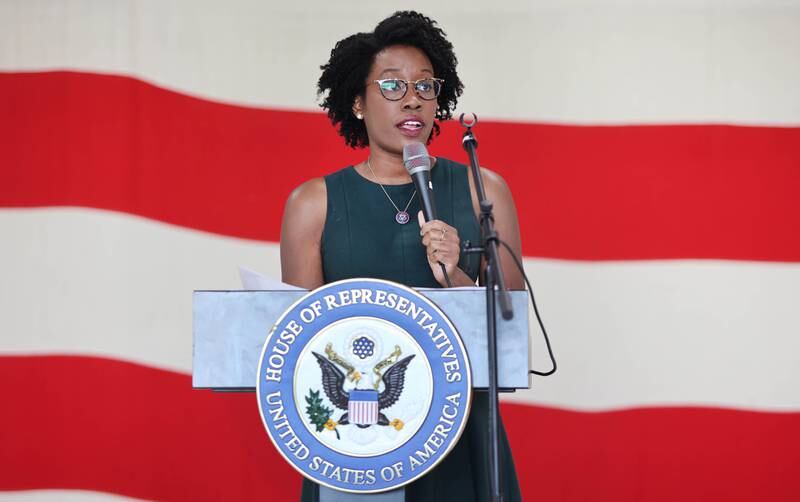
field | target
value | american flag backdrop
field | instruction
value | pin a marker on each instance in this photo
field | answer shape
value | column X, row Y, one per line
column 653, row 150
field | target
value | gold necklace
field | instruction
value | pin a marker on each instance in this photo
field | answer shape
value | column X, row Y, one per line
column 402, row 216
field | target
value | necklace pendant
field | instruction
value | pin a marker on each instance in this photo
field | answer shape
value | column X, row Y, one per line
column 402, row 217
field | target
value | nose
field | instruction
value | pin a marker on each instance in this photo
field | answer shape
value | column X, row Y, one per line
column 411, row 101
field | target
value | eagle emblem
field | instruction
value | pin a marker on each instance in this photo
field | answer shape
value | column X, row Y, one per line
column 362, row 406
column 380, row 410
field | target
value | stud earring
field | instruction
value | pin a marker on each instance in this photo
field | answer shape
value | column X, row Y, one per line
column 359, row 116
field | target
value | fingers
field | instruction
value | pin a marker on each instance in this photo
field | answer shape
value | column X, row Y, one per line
column 442, row 244
column 438, row 235
column 443, row 252
column 436, row 230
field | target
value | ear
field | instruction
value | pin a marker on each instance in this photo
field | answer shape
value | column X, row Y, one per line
column 358, row 109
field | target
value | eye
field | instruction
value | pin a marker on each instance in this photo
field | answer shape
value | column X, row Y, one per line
column 390, row 85
column 425, row 85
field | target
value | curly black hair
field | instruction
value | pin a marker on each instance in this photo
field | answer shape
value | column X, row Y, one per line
column 344, row 75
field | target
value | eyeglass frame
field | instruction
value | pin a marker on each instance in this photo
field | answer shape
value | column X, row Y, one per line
column 408, row 82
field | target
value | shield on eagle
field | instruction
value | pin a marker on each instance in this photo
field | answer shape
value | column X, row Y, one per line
column 362, row 406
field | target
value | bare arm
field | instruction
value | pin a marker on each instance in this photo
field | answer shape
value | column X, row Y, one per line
column 506, row 224
column 301, row 235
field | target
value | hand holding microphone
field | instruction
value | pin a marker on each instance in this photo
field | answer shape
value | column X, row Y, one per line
column 443, row 247
column 440, row 239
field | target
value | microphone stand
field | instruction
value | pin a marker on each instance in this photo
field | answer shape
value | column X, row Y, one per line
column 495, row 285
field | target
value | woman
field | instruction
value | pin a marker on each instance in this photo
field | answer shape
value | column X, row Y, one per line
column 383, row 90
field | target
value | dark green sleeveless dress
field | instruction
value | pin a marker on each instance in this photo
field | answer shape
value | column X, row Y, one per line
column 362, row 239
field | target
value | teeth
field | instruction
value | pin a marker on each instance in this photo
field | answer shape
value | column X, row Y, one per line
column 411, row 124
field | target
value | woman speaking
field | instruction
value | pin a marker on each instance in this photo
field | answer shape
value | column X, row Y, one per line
column 384, row 90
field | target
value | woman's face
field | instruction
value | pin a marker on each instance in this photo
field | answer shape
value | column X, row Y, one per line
column 393, row 124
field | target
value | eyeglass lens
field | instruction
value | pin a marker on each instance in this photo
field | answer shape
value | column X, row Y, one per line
column 394, row 89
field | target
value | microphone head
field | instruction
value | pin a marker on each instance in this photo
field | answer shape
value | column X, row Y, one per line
column 416, row 158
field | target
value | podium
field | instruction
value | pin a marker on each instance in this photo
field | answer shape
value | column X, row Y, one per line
column 231, row 327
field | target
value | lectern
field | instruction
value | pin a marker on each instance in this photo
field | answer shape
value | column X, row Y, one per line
column 230, row 329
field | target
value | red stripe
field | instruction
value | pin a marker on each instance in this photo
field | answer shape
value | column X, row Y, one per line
column 638, row 192
column 656, row 455
column 105, row 425
column 98, row 424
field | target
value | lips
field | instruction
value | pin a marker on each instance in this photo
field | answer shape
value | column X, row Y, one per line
column 410, row 126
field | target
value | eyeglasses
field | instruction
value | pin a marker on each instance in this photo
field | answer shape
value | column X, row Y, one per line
column 394, row 89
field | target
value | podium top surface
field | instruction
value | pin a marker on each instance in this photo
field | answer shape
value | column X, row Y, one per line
column 230, row 328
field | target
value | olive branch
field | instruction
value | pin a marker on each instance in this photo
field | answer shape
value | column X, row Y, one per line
column 318, row 414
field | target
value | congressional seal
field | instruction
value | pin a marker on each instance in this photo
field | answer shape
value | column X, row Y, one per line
column 364, row 385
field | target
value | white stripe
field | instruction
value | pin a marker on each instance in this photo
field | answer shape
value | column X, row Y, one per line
column 709, row 333
column 581, row 61
column 61, row 496
column 109, row 284
column 706, row 333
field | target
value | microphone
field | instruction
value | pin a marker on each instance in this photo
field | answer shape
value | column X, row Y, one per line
column 418, row 165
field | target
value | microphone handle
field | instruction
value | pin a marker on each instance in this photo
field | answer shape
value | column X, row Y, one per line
column 422, row 180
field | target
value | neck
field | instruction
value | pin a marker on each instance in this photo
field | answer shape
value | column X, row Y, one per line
column 388, row 167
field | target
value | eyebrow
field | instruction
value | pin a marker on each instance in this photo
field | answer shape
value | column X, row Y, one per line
column 388, row 70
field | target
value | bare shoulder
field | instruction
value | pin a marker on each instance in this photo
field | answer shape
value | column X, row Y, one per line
column 494, row 183
column 506, row 222
column 301, row 234
column 305, row 212
column 496, row 188
column 310, row 196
